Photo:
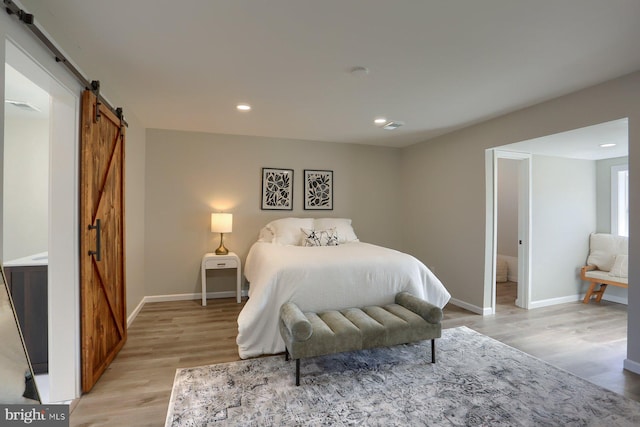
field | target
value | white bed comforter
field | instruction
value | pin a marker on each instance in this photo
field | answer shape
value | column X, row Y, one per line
column 327, row 277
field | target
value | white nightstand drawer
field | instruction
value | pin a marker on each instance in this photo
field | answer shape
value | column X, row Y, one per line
column 220, row 263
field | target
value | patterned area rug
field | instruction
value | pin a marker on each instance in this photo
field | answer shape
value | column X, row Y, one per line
column 476, row 381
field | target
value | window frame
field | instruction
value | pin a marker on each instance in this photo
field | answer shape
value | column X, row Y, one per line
column 615, row 199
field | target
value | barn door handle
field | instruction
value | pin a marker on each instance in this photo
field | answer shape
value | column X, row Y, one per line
column 98, row 251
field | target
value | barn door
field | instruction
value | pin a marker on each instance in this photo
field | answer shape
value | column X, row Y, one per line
column 102, row 269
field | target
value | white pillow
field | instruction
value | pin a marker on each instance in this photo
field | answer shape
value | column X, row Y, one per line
column 603, row 248
column 288, row 231
column 620, row 266
column 341, row 225
column 266, row 235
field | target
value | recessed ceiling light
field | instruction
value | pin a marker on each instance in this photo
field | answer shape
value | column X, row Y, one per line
column 243, row 107
column 607, row 145
column 380, row 121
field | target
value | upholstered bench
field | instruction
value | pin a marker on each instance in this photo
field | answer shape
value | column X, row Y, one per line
column 607, row 264
column 410, row 319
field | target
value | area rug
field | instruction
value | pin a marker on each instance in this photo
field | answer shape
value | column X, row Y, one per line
column 476, row 381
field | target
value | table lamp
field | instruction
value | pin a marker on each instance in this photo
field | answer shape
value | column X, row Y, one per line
column 221, row 223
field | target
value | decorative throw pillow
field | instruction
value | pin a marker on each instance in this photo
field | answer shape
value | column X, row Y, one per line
column 320, row 237
column 331, row 236
column 620, row 266
column 312, row 238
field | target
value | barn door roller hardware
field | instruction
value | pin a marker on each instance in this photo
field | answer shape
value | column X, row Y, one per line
column 95, row 88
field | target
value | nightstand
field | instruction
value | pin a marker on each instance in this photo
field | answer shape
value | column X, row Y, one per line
column 211, row 261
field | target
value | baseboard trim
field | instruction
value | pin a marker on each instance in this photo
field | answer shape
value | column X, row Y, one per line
column 184, row 297
column 616, row 299
column 172, row 297
column 178, row 297
column 554, row 301
column 135, row 312
column 471, row 307
column 631, row 365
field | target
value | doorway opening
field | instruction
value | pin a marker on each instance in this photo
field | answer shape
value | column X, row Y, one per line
column 570, row 191
column 515, row 204
column 25, row 216
column 507, row 234
column 44, row 156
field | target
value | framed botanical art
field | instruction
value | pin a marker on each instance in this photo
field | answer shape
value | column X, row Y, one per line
column 277, row 189
column 318, row 190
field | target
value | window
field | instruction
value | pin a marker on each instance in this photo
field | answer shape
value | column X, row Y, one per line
column 620, row 200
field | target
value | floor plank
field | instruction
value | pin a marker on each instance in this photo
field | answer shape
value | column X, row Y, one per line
column 588, row 340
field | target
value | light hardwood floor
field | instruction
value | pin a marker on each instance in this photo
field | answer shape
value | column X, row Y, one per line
column 587, row 340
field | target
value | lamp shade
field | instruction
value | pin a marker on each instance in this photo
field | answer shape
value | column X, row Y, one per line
column 221, row 222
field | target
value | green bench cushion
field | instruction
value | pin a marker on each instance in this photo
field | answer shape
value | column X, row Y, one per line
column 351, row 329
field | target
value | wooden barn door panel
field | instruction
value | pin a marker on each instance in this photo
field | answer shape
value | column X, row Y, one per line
column 102, row 265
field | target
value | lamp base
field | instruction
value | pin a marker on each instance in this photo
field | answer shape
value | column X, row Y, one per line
column 221, row 249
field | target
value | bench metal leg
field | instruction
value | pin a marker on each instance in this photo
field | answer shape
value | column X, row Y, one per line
column 297, row 372
column 433, row 350
column 286, row 354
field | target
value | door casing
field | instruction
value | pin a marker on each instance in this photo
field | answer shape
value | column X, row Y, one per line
column 524, row 225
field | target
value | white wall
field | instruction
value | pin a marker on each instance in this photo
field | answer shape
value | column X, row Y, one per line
column 563, row 215
column 191, row 174
column 507, row 238
column 444, row 183
column 26, row 187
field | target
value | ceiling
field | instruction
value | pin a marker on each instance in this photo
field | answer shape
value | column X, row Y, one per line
column 437, row 66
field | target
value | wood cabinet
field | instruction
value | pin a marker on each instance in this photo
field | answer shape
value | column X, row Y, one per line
column 28, row 287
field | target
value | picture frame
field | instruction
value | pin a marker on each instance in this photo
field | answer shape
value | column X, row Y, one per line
column 277, row 189
column 318, row 189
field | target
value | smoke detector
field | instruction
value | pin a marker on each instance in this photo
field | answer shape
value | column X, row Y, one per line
column 359, row 71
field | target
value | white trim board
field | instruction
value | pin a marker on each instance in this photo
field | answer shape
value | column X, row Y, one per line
column 632, row 366
column 135, row 312
column 178, row 297
column 573, row 298
column 555, row 301
column 471, row 307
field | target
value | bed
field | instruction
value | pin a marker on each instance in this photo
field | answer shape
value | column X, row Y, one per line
column 320, row 264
